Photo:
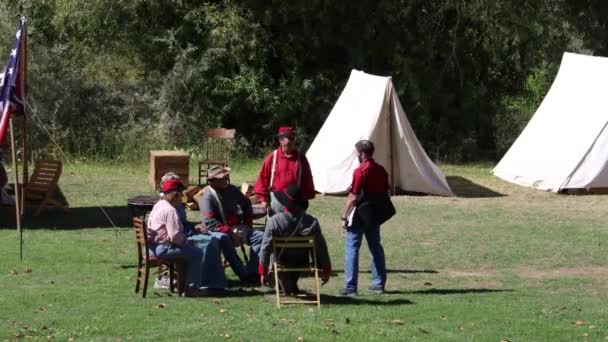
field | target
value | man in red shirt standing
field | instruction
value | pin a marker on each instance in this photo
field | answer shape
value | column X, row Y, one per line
column 370, row 180
column 283, row 166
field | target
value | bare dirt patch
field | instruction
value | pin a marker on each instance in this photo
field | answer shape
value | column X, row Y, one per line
column 564, row 272
column 484, row 273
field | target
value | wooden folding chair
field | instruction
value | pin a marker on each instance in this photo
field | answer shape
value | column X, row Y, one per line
column 217, row 146
column 43, row 184
column 281, row 245
column 145, row 261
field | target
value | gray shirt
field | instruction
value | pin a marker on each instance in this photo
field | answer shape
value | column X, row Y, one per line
column 287, row 224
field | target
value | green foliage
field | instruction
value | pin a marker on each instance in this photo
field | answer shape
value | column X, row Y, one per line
column 516, row 111
column 109, row 76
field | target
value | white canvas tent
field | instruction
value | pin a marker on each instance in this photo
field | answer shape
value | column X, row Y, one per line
column 565, row 144
column 369, row 108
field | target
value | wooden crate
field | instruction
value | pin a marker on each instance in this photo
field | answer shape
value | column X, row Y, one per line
column 162, row 162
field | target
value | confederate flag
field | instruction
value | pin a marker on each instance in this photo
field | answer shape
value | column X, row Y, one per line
column 12, row 81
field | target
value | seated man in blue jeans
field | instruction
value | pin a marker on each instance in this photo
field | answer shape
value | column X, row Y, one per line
column 228, row 215
column 214, row 277
column 166, row 238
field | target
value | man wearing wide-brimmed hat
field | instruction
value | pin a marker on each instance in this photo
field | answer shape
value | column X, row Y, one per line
column 285, row 165
column 293, row 221
column 228, row 215
column 166, row 238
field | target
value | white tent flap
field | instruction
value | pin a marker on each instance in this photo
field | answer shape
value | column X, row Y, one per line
column 559, row 148
column 369, row 108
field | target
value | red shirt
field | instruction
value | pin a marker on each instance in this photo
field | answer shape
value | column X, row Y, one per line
column 286, row 172
column 369, row 177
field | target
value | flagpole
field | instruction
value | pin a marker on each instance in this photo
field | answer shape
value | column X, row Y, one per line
column 17, row 190
column 23, row 73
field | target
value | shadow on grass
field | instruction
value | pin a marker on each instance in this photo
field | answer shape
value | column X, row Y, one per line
column 449, row 291
column 382, row 300
column 77, row 218
column 463, row 187
column 394, row 271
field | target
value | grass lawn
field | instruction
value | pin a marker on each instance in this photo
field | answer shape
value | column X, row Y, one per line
column 499, row 262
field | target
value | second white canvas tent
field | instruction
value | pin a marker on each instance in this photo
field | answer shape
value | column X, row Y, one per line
column 565, row 144
column 369, row 108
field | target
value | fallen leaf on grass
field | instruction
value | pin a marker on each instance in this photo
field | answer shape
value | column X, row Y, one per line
column 161, row 305
column 397, row 322
column 216, row 301
column 223, row 310
column 17, row 335
column 300, row 339
column 42, row 308
column 579, row 323
column 585, row 335
column 226, row 336
column 505, row 340
column 287, row 320
column 27, row 270
column 13, row 272
column 444, row 318
column 592, row 327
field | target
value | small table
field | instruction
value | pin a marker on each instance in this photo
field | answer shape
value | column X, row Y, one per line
column 141, row 205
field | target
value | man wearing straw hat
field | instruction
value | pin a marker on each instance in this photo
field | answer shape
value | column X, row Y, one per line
column 285, row 165
column 228, row 215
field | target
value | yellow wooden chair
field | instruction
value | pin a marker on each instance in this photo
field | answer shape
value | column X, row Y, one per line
column 281, row 245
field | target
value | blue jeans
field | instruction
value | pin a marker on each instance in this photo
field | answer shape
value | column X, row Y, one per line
column 242, row 271
column 354, row 237
column 192, row 255
column 213, row 271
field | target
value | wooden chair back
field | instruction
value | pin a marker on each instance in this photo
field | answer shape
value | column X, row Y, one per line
column 43, row 183
column 141, row 237
column 218, row 144
column 281, row 244
column 217, row 147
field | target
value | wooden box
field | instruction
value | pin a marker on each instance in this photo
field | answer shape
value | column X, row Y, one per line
column 162, row 162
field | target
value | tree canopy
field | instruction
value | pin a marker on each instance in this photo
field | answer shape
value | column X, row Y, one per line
column 113, row 77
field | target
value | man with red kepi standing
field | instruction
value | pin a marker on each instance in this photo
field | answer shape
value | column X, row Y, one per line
column 283, row 166
column 370, row 181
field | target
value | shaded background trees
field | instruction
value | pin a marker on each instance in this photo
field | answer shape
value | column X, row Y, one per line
column 114, row 79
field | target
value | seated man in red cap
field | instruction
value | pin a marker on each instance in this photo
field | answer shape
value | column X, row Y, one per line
column 293, row 221
column 285, row 165
column 228, row 215
column 166, row 238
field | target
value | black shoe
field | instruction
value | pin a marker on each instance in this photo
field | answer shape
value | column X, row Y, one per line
column 347, row 293
column 377, row 289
